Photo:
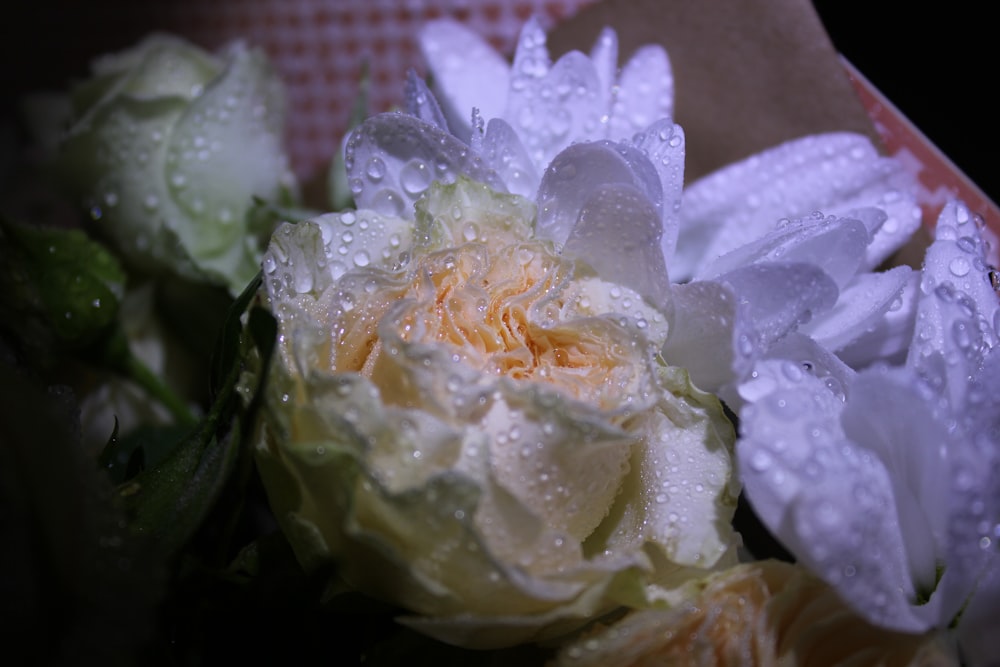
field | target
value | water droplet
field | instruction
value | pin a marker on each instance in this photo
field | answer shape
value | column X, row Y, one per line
column 361, row 258
column 966, row 244
column 760, row 460
column 960, row 334
column 375, row 169
column 415, row 177
column 959, row 266
column 792, row 371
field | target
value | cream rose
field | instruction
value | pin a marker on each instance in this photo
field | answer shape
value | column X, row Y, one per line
column 477, row 427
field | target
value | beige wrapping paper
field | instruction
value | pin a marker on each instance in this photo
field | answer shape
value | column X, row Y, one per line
column 749, row 74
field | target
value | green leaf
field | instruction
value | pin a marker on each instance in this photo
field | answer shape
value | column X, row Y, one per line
column 170, row 500
column 58, row 288
column 151, row 443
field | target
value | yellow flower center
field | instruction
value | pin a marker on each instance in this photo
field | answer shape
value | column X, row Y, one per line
column 507, row 311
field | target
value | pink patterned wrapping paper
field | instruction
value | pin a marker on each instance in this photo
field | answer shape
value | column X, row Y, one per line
column 320, row 46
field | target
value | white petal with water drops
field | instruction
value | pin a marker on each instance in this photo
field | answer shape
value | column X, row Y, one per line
column 504, row 153
column 618, row 234
column 392, row 158
column 644, row 94
column 835, row 245
column 420, row 102
column 958, row 309
column 743, row 201
column 663, row 143
column 466, row 72
column 572, row 177
column 551, row 106
column 827, row 500
column 860, row 306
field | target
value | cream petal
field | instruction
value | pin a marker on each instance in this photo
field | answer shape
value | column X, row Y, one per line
column 686, row 490
column 229, row 149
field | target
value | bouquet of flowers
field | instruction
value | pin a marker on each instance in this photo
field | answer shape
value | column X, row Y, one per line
column 520, row 388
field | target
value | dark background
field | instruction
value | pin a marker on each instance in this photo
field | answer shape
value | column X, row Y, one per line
column 938, row 63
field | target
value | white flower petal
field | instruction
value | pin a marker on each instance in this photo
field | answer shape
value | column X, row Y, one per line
column 862, row 304
column 466, row 72
column 420, row 102
column 826, row 499
column 888, row 338
column 551, row 108
column 571, row 178
column 229, row 150
column 604, row 55
column 958, row 310
column 974, row 495
column 663, row 143
column 504, row 153
column 745, row 200
column 903, row 217
column 977, row 633
column 392, row 158
column 645, row 92
column 618, row 234
column 780, row 296
column 708, row 332
column 891, row 416
column 835, row 245
column 810, row 357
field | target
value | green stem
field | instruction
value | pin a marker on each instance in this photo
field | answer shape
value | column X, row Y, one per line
column 139, row 373
column 115, row 353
